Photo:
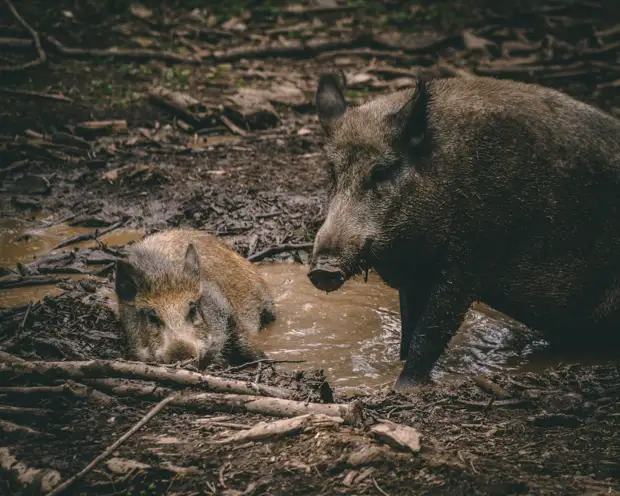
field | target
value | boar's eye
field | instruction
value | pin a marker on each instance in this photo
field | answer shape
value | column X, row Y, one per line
column 382, row 172
column 152, row 317
column 192, row 312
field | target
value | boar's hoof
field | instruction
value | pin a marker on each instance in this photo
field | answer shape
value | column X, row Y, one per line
column 326, row 278
column 410, row 383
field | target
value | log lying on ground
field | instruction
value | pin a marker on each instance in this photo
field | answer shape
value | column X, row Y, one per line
column 264, row 431
column 137, row 370
column 25, row 475
column 234, row 403
column 7, row 426
column 69, row 388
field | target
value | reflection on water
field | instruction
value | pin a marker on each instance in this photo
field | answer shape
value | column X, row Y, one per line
column 353, row 333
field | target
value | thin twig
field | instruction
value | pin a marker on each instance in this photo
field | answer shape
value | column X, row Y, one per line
column 37, row 43
column 379, row 487
column 266, row 361
column 274, row 250
column 137, row 54
column 88, row 236
column 154, row 411
column 35, row 95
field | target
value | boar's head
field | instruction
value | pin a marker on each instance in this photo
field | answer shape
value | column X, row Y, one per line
column 168, row 312
column 375, row 157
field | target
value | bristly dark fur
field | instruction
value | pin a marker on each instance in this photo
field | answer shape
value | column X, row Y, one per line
column 477, row 189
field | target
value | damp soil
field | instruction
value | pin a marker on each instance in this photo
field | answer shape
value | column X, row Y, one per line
column 255, row 178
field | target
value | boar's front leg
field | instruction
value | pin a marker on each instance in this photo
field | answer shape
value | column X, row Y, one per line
column 442, row 317
column 413, row 300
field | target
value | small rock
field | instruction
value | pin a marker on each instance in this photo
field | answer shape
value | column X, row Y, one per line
column 400, row 437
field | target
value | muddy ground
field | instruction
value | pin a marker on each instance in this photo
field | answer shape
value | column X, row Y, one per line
column 238, row 153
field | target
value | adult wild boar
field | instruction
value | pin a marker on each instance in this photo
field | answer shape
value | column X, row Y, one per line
column 464, row 190
column 183, row 294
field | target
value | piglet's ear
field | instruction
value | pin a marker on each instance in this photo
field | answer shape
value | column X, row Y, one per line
column 128, row 280
column 192, row 262
column 330, row 101
column 410, row 121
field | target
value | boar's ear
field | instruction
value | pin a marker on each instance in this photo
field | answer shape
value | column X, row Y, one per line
column 192, row 262
column 409, row 121
column 330, row 100
column 128, row 280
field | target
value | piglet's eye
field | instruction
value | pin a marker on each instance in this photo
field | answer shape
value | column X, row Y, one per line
column 192, row 312
column 152, row 317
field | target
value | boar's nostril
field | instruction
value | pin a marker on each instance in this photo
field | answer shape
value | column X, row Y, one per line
column 326, row 278
column 180, row 350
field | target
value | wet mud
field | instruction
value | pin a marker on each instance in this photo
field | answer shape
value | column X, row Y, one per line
column 238, row 154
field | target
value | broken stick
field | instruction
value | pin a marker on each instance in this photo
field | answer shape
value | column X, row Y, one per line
column 274, row 250
column 25, row 475
column 42, row 56
column 138, row 370
column 7, row 426
column 88, row 236
column 264, row 431
column 154, row 411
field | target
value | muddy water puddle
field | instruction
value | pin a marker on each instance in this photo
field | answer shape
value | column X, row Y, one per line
column 353, row 333
column 22, row 240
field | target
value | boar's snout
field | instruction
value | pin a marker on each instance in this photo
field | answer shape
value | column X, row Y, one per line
column 180, row 350
column 325, row 274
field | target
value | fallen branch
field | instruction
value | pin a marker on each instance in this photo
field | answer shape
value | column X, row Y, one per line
column 122, row 53
column 161, row 97
column 42, row 56
column 274, row 250
column 264, row 431
column 21, row 411
column 97, row 128
column 267, row 361
column 69, row 388
column 88, row 236
column 273, row 407
column 7, row 426
column 138, row 370
column 154, row 411
column 501, row 403
column 490, row 387
column 25, row 475
column 14, row 167
column 234, row 403
column 35, row 95
column 8, row 358
column 7, row 42
column 21, row 282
